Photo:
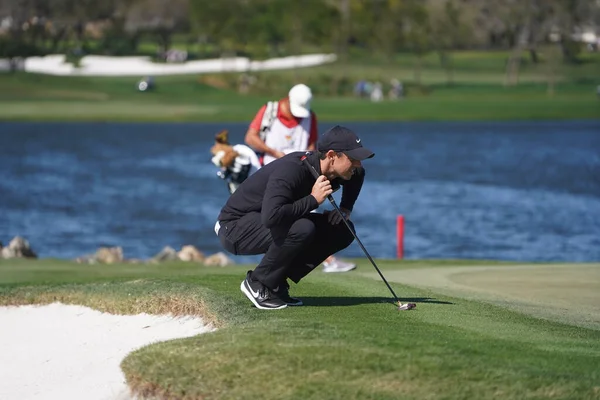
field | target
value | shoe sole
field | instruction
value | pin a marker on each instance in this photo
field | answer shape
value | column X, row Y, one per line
column 406, row 306
column 330, row 271
column 253, row 300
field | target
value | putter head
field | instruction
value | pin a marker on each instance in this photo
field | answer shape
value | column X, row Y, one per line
column 406, row 306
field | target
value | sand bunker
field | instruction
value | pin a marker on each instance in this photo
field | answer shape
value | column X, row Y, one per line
column 71, row 352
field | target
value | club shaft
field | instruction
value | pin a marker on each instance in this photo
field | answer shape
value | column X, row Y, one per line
column 333, row 203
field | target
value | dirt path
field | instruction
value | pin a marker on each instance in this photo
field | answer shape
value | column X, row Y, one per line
column 568, row 293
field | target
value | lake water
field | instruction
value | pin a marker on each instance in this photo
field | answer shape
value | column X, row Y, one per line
column 525, row 191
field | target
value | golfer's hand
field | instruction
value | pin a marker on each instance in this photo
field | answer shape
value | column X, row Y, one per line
column 278, row 154
column 334, row 217
column 321, row 189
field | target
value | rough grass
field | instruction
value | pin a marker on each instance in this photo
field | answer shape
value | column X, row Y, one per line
column 443, row 104
column 122, row 298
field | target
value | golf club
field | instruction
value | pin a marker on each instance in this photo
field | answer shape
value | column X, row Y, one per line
column 407, row 306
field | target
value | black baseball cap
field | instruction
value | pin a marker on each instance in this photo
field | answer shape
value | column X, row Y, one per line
column 343, row 140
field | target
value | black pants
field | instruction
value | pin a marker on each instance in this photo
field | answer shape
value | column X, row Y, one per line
column 290, row 251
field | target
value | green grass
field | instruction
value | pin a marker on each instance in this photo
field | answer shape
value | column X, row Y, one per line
column 44, row 98
column 476, row 93
column 348, row 342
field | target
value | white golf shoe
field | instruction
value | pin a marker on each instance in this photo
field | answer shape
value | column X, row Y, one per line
column 338, row 265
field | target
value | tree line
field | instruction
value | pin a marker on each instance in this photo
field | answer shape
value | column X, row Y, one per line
column 266, row 28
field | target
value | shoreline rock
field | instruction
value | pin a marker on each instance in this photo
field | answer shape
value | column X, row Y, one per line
column 19, row 247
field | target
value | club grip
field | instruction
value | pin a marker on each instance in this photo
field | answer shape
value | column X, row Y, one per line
column 314, row 173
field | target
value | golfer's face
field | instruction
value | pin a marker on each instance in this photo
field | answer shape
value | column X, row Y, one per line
column 346, row 166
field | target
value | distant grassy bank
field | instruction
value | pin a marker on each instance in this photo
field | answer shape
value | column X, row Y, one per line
column 347, row 342
column 476, row 92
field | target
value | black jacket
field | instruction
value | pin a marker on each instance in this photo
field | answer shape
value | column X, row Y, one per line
column 280, row 191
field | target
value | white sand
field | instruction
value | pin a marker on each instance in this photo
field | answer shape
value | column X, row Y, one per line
column 97, row 65
column 70, row 352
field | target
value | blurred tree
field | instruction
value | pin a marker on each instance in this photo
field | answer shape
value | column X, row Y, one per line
column 264, row 28
column 519, row 22
column 341, row 39
column 448, row 32
column 224, row 23
column 308, row 23
column 572, row 17
column 116, row 40
column 319, row 22
column 269, row 27
column 417, row 33
column 25, row 29
column 44, row 26
column 160, row 18
column 387, row 29
column 533, row 22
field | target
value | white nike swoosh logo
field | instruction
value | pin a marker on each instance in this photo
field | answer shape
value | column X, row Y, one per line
column 357, row 140
column 255, row 294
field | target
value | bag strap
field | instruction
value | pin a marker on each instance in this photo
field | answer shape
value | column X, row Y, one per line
column 268, row 119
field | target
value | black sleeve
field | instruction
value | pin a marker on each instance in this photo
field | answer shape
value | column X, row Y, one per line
column 352, row 189
column 280, row 205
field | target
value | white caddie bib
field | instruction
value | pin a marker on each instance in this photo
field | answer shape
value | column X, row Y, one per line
column 287, row 140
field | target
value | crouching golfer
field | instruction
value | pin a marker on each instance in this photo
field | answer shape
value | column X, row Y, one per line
column 270, row 214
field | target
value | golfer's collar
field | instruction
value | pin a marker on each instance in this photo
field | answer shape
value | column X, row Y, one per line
column 315, row 161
